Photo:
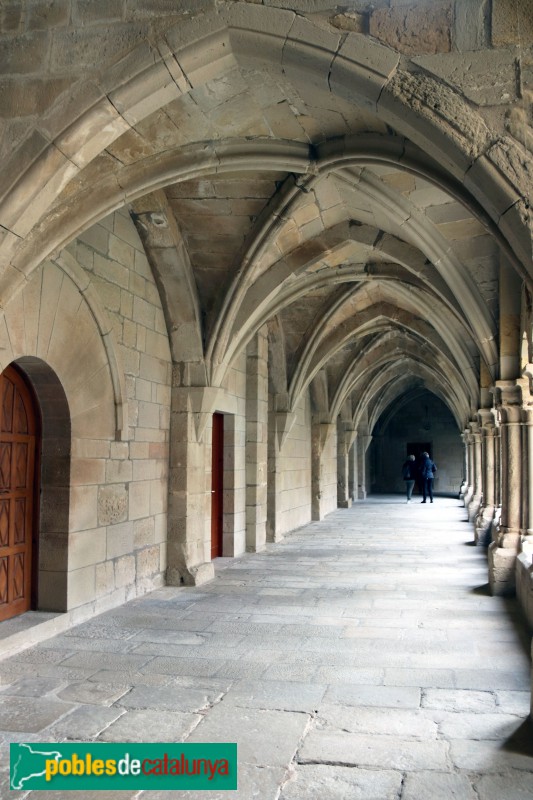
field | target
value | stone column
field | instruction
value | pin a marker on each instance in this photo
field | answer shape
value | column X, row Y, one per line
column 279, row 426
column 364, row 444
column 352, row 467
column 189, row 499
column 464, row 484
column 344, row 499
column 256, row 441
column 469, row 493
column 497, row 480
column 528, row 531
column 524, row 566
column 475, row 501
column 503, row 551
column 485, row 516
column 323, row 468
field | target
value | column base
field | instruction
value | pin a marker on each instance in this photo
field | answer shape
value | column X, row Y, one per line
column 524, row 585
column 473, row 507
column 502, row 565
column 483, row 527
column 191, row 576
column 345, row 503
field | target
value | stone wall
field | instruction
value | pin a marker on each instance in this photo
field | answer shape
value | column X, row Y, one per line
column 295, row 469
column 94, row 320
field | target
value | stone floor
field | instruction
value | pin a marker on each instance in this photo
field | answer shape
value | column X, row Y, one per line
column 362, row 657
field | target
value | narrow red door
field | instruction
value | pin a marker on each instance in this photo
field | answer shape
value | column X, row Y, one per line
column 217, row 484
column 18, row 442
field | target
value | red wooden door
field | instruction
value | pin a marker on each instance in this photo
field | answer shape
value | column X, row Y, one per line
column 217, row 484
column 18, row 447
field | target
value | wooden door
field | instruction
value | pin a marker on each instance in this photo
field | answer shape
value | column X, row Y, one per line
column 217, row 484
column 18, row 448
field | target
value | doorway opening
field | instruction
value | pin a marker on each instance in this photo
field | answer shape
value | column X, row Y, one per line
column 217, row 485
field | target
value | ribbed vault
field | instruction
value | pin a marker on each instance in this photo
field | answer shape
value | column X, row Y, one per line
column 282, row 172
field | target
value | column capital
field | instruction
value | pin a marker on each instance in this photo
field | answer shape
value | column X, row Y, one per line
column 508, row 393
column 487, row 419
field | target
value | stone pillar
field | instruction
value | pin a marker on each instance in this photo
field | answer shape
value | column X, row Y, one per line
column 256, row 441
column 486, row 513
column 352, row 468
column 464, row 484
column 189, row 499
column 503, row 551
column 469, row 493
column 524, row 565
column 528, row 527
column 323, row 469
column 364, row 444
column 279, row 426
column 475, row 501
column 344, row 499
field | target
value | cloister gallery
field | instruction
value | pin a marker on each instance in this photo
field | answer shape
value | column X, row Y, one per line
column 252, row 255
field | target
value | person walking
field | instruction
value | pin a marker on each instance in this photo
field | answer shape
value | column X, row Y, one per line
column 427, row 472
column 409, row 474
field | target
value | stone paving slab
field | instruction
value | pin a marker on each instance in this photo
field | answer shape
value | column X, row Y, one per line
column 276, row 695
column 389, row 696
column 30, row 713
column 93, row 693
column 513, row 785
column 382, row 721
column 440, row 786
column 485, row 756
column 150, row 726
column 459, row 700
column 84, row 723
column 339, row 783
column 264, row 738
column 364, row 750
column 361, row 657
column 168, row 698
column 254, row 783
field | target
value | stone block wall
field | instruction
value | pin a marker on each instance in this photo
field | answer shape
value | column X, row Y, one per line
column 295, row 472
column 131, row 503
column 95, row 321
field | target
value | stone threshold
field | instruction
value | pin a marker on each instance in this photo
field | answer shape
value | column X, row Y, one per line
column 27, row 629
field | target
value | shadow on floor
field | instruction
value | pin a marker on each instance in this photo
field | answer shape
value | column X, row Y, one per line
column 484, row 589
column 521, row 742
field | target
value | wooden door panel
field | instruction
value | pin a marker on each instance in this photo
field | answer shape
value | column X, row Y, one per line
column 5, row 465
column 19, row 575
column 217, row 485
column 4, row 523
column 20, row 521
column 4, row 582
column 18, row 443
column 7, row 391
column 20, row 465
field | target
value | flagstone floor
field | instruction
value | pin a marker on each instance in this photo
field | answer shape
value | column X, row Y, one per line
column 361, row 657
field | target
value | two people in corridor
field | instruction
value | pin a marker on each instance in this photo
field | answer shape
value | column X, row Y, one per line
column 424, row 471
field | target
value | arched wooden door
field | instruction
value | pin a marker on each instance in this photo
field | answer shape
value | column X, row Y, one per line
column 19, row 430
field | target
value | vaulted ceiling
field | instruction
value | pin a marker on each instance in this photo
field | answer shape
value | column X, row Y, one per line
column 291, row 180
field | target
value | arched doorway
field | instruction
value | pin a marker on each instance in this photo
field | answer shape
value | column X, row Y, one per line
column 19, row 456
